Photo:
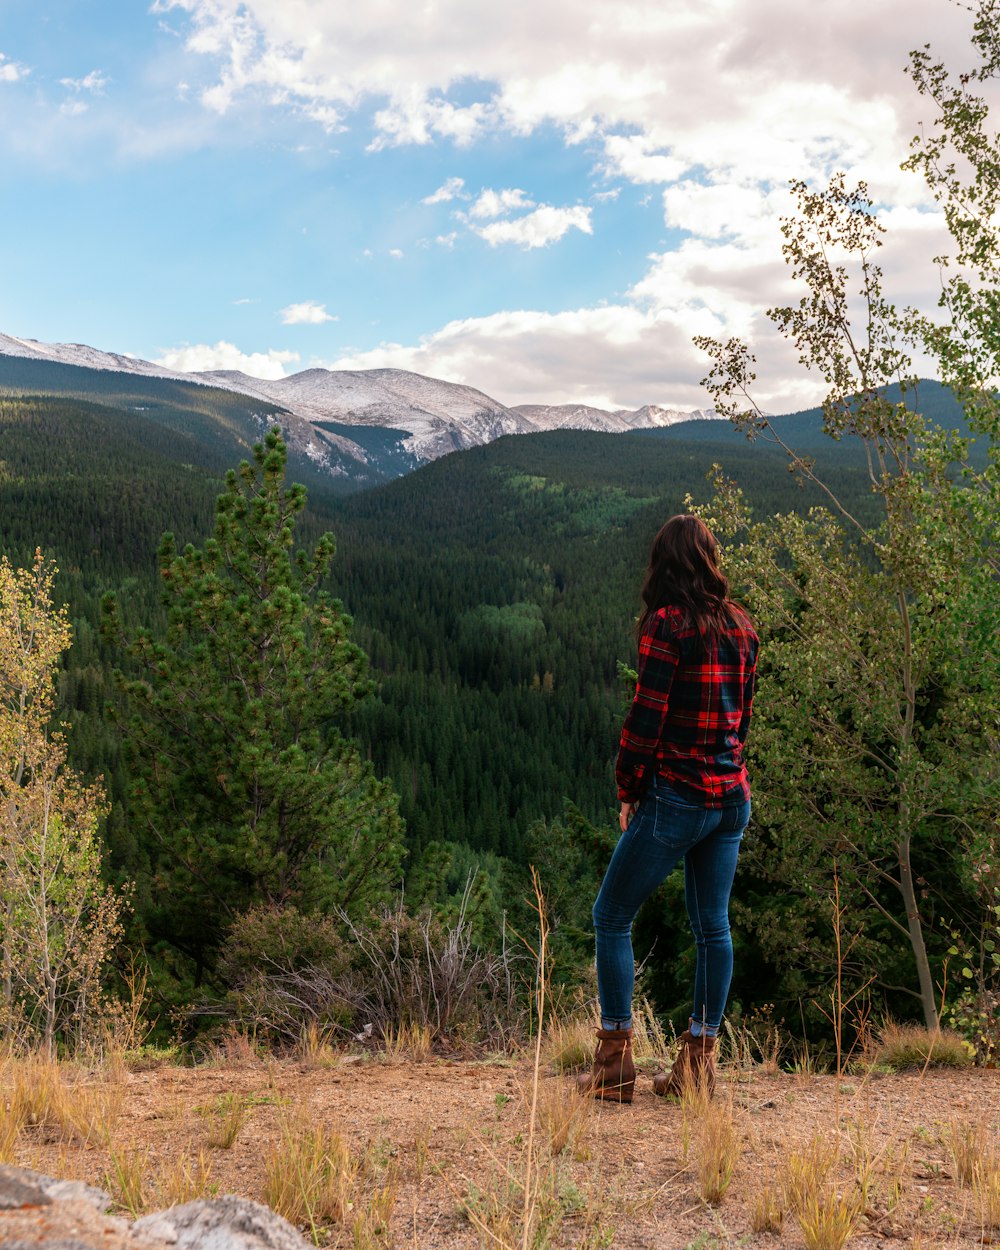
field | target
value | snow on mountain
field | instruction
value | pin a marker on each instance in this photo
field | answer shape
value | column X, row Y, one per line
column 649, row 416
column 573, row 417
column 88, row 358
column 436, row 417
column 582, row 417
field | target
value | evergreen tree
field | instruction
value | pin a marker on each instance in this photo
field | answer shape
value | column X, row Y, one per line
column 245, row 790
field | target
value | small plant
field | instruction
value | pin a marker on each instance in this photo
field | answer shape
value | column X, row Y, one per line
column 718, row 1148
column 902, row 1046
column 421, row 1144
column 186, row 1178
column 767, row 1212
column 967, row 1146
column 314, row 1049
column 827, row 1219
column 807, row 1173
column 569, row 1044
column 986, row 1187
column 310, row 1177
column 126, row 1179
column 226, row 1118
column 409, row 1041
column 563, row 1115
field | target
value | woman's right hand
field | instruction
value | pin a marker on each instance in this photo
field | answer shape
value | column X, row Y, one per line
column 625, row 815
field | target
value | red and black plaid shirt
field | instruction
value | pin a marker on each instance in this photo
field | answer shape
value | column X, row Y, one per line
column 691, row 712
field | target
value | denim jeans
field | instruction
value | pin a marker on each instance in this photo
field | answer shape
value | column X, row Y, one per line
column 666, row 828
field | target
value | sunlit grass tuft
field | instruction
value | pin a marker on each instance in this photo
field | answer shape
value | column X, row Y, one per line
column 903, row 1046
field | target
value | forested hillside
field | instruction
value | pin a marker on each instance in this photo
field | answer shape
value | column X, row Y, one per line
column 494, row 591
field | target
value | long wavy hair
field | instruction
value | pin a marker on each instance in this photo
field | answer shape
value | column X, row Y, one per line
column 684, row 571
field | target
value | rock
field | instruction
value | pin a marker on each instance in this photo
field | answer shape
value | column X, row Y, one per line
column 40, row 1213
column 20, row 1188
column 65, row 1191
column 227, row 1223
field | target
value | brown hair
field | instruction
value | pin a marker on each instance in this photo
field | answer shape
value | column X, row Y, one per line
column 684, row 571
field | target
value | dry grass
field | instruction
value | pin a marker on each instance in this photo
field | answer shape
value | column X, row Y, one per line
column 903, row 1046
column 717, row 1141
column 42, row 1093
column 807, row 1173
column 967, row 1144
column 767, row 1211
column 184, row 1179
column 986, row 1187
column 126, row 1179
column 310, row 1176
column 649, row 1042
column 225, row 1119
column 410, row 1041
column 315, row 1049
column 564, row 1117
column 827, row 1218
column 569, row 1044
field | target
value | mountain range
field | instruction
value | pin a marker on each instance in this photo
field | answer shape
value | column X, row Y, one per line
column 329, row 416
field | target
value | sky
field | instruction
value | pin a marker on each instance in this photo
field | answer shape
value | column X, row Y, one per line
column 545, row 199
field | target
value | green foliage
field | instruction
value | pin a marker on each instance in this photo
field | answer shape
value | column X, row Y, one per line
column 878, row 712
column 244, row 788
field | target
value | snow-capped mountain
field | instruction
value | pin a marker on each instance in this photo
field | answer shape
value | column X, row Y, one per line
column 438, row 416
column 582, row 417
column 435, row 417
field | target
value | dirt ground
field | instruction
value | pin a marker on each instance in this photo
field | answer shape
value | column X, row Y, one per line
column 448, row 1140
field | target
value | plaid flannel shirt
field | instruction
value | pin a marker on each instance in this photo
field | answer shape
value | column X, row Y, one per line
column 691, row 712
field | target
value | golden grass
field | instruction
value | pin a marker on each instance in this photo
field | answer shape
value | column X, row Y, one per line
column 125, row 1180
column 310, row 1176
column 827, row 1218
column 314, row 1049
column 967, row 1145
column 767, row 1211
column 563, row 1116
column 807, row 1172
column 569, row 1044
column 903, row 1046
column 225, row 1119
column 986, row 1187
column 184, row 1179
column 717, row 1142
column 410, row 1041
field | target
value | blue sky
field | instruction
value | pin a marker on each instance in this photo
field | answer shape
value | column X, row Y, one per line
column 544, row 199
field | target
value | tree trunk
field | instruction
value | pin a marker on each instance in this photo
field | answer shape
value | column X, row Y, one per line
column 915, row 927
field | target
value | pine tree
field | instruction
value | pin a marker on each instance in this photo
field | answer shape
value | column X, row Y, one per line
column 245, row 790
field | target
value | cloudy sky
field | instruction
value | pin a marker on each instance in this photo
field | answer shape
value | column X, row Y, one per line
column 542, row 198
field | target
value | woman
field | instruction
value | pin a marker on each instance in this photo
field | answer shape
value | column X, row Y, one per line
column 683, row 790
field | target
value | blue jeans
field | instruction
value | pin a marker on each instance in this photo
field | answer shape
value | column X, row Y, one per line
column 666, row 828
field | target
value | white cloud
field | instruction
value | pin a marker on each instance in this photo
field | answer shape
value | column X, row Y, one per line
column 449, row 190
column 11, row 71
column 396, row 253
column 94, row 82
column 638, row 350
column 73, row 108
column 634, row 157
column 499, row 203
column 200, row 357
column 308, row 313
column 545, row 225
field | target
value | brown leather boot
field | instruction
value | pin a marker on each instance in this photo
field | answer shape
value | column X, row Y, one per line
column 613, row 1076
column 694, row 1067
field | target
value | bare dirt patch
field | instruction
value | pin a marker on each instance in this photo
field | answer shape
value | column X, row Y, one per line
column 446, row 1138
